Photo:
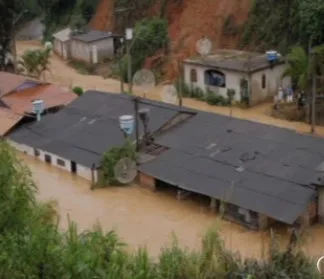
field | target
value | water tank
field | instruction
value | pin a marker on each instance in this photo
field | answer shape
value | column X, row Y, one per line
column 272, row 55
column 38, row 106
column 126, row 123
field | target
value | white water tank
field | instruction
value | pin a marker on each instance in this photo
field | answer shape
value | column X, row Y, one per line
column 126, row 123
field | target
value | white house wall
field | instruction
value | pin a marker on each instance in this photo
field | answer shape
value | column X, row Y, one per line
column 82, row 51
column 233, row 81
column 105, row 48
column 273, row 82
column 82, row 171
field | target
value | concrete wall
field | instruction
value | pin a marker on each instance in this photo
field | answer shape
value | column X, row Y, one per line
column 273, row 82
column 62, row 49
column 82, row 171
column 233, row 81
column 147, row 181
column 83, row 51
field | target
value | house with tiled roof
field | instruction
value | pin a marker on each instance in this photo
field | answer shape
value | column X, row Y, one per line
column 17, row 94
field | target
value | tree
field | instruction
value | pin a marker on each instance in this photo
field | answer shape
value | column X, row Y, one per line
column 36, row 62
column 301, row 67
column 298, row 67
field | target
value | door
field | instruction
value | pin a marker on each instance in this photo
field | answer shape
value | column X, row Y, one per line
column 48, row 159
column 73, row 167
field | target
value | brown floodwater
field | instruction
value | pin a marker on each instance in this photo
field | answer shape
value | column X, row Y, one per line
column 144, row 218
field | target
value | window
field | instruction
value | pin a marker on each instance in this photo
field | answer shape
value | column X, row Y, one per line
column 36, row 152
column 264, row 81
column 48, row 158
column 60, row 162
column 193, row 75
column 215, row 78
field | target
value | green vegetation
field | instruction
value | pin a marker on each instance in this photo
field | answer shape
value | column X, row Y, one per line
column 150, row 35
column 197, row 93
column 36, row 63
column 78, row 90
column 110, row 159
column 282, row 24
column 32, row 246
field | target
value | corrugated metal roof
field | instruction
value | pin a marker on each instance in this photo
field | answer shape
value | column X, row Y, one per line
column 9, row 82
column 271, row 168
column 92, row 35
column 52, row 95
column 88, row 127
column 8, row 120
column 235, row 60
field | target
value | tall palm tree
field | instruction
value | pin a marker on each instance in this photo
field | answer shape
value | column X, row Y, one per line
column 298, row 67
column 301, row 66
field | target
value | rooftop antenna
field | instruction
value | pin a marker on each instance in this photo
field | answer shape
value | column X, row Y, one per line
column 125, row 170
column 169, row 94
column 144, row 115
column 38, row 106
column 144, row 79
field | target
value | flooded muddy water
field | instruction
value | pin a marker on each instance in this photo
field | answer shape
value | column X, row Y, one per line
column 145, row 218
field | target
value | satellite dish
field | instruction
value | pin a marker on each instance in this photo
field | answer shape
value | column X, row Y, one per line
column 320, row 265
column 204, row 46
column 125, row 170
column 169, row 94
column 144, row 79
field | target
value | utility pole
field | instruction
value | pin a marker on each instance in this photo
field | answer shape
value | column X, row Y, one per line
column 180, row 83
column 129, row 69
column 313, row 102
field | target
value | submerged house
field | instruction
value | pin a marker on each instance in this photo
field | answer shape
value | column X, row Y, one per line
column 17, row 94
column 250, row 75
column 76, row 137
column 257, row 174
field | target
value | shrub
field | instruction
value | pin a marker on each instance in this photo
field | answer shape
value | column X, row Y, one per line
column 78, row 90
column 215, row 100
column 110, row 159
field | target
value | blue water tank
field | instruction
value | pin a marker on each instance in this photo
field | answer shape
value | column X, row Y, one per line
column 272, row 55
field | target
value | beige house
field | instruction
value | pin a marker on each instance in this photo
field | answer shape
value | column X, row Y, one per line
column 62, row 43
column 93, row 46
column 249, row 74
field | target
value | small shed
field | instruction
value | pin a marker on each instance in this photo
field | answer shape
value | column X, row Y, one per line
column 93, row 46
column 62, row 43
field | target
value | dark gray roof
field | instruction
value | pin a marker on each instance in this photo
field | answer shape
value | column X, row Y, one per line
column 92, row 36
column 234, row 60
column 88, row 126
column 259, row 167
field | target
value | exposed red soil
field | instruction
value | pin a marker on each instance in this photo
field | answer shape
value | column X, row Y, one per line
column 189, row 20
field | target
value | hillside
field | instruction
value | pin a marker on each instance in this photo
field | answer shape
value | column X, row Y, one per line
column 220, row 20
